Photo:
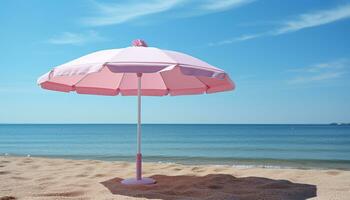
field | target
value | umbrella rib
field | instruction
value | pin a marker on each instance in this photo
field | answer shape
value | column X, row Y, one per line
column 124, row 49
column 168, row 89
column 207, row 86
column 164, row 53
column 120, row 83
column 74, row 85
column 117, row 88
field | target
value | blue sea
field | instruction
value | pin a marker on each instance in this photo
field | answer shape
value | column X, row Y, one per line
column 271, row 146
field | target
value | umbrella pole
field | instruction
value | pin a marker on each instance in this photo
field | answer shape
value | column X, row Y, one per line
column 138, row 180
column 139, row 155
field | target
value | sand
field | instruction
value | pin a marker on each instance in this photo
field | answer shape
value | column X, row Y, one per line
column 47, row 178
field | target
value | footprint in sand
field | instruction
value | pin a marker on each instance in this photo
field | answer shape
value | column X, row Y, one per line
column 7, row 198
column 81, row 175
column 4, row 172
column 333, row 173
column 20, row 178
column 99, row 175
column 62, row 194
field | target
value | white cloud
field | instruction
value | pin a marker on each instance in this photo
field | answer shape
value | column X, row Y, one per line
column 237, row 39
column 221, row 5
column 317, row 77
column 313, row 19
column 109, row 14
column 303, row 21
column 118, row 13
column 320, row 72
column 75, row 38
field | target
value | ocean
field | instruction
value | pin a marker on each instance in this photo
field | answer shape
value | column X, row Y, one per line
column 269, row 146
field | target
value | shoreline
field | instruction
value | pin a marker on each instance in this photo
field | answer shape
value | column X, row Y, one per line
column 57, row 178
column 229, row 162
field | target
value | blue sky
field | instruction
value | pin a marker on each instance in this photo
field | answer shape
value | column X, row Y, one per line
column 290, row 60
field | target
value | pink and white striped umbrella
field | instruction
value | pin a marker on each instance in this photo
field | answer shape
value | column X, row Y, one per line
column 137, row 70
column 114, row 71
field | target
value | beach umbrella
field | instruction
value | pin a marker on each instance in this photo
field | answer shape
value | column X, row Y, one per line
column 138, row 70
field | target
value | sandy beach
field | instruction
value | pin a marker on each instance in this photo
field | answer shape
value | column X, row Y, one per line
column 47, row 178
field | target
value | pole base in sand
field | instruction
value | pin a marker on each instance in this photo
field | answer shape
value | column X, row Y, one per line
column 134, row 181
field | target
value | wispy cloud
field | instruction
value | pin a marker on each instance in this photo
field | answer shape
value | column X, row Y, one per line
column 320, row 72
column 221, row 5
column 237, row 39
column 317, row 77
column 303, row 21
column 313, row 19
column 75, row 38
column 118, row 13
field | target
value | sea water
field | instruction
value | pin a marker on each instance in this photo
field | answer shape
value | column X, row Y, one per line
column 295, row 146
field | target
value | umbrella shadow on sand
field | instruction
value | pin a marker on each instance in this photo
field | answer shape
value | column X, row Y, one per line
column 214, row 187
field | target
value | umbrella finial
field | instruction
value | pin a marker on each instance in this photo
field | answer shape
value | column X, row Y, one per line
column 139, row 43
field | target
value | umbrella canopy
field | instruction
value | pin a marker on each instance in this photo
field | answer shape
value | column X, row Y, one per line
column 137, row 70
column 114, row 71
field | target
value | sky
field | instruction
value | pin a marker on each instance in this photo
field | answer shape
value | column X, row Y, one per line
column 290, row 60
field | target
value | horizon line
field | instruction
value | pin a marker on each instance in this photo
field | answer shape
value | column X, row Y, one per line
column 330, row 123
